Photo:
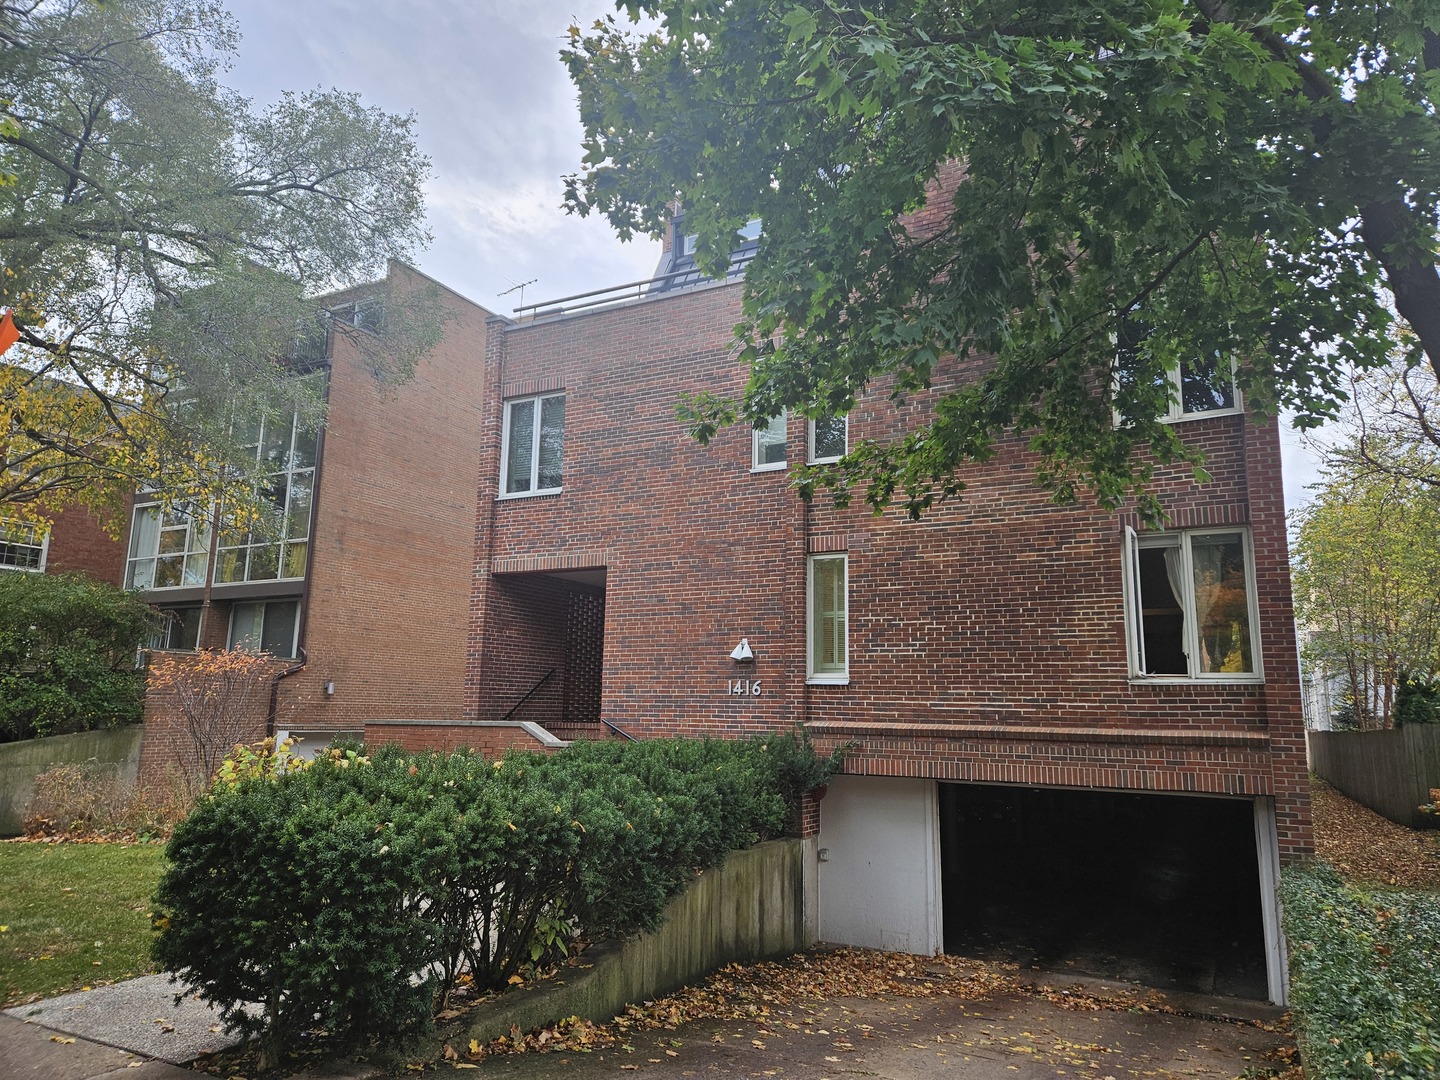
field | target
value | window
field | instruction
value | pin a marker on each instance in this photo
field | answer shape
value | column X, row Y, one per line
column 829, row 439
column 276, row 546
column 1196, row 387
column 179, row 629
column 1190, row 605
column 367, row 313
column 1203, row 386
column 269, row 626
column 23, row 545
column 534, row 445
column 169, row 549
column 829, row 660
column 768, row 445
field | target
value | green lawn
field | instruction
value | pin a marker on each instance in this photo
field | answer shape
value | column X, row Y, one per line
column 73, row 915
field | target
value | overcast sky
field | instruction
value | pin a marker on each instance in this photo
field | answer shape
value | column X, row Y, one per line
column 496, row 113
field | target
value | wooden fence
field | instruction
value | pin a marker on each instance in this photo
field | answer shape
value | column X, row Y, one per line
column 1391, row 772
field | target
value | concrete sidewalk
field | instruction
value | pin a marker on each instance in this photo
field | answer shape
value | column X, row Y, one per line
column 133, row 1027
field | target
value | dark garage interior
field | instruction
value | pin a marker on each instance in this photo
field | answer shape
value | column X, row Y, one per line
column 1161, row 890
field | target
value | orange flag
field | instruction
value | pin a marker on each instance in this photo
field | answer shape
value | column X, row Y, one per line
column 9, row 334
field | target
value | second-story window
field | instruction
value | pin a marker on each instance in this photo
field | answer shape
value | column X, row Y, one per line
column 169, row 549
column 829, row 439
column 534, row 445
column 767, row 448
column 22, row 545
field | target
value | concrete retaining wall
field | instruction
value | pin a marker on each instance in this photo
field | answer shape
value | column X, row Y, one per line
column 751, row 908
column 1391, row 772
column 22, row 762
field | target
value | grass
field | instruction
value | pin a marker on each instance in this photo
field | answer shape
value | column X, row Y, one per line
column 73, row 915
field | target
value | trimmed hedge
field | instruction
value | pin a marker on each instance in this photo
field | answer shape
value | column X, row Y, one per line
column 352, row 894
column 1365, row 977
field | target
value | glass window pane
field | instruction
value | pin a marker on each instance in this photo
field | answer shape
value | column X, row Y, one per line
column 297, row 513
column 145, row 533
column 141, row 574
column 830, row 432
column 232, row 566
column 264, row 563
column 521, row 447
column 552, row 442
column 827, row 616
column 770, row 442
column 172, row 540
column 1206, row 385
column 305, row 441
column 246, row 621
column 275, row 449
column 1222, row 606
column 195, row 569
column 295, row 560
column 167, row 572
column 278, row 629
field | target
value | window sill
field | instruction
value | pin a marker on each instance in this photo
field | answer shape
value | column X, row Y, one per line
column 1196, row 680
column 779, row 467
column 828, row 680
column 1185, row 418
column 507, row 496
column 824, row 460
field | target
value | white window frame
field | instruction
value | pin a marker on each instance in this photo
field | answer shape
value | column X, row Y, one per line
column 831, row 676
column 538, row 401
column 1134, row 617
column 816, row 459
column 13, row 525
column 1176, row 413
column 240, row 557
column 783, row 423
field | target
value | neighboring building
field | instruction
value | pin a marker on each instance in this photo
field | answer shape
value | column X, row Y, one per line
column 75, row 542
column 1073, row 735
column 360, row 590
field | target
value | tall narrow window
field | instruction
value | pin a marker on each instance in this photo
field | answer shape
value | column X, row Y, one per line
column 276, row 545
column 1190, row 605
column 534, row 445
column 829, row 439
column 829, row 615
column 767, row 450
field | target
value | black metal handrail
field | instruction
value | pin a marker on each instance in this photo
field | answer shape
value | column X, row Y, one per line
column 528, row 695
column 619, row 730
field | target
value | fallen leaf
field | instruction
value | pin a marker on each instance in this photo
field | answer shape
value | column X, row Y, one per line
column 61, row 1039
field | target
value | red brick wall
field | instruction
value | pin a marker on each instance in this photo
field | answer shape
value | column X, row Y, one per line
column 987, row 641
column 79, row 543
column 389, row 584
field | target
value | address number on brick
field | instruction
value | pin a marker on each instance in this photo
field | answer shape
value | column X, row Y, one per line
column 742, row 687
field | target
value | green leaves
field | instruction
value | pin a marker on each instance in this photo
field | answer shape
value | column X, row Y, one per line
column 1187, row 158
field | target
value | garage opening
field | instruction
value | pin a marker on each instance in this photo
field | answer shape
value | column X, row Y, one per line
column 1161, row 890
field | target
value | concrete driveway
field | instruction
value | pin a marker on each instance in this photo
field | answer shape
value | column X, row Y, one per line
column 1055, row 1029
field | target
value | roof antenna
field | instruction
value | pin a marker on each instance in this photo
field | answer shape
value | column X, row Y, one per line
column 521, row 288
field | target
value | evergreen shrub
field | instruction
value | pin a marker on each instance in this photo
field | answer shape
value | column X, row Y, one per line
column 1364, row 977
column 351, row 895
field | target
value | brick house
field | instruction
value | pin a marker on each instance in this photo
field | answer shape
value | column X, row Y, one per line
column 361, row 595
column 1074, row 737
column 77, row 541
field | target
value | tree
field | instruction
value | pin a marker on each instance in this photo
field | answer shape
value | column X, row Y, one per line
column 1250, row 180
column 67, row 655
column 162, row 244
column 1366, row 558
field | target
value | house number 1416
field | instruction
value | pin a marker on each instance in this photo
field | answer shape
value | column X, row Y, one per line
column 743, row 687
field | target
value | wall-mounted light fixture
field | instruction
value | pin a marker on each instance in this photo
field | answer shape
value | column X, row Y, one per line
column 330, row 688
column 741, row 653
